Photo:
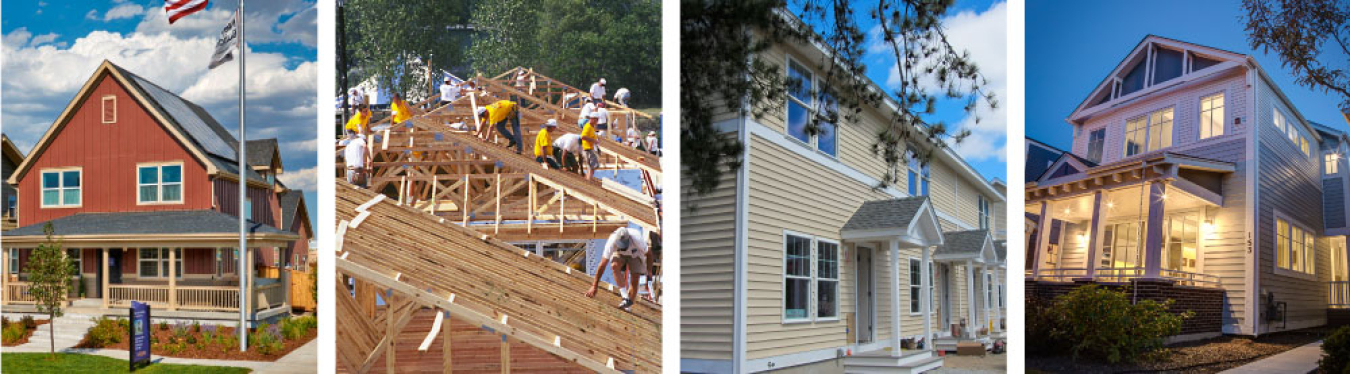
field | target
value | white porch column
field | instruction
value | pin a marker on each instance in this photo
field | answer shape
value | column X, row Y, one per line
column 926, row 293
column 1042, row 238
column 173, row 278
column 4, row 276
column 970, row 308
column 998, row 301
column 247, row 277
column 1094, row 236
column 284, row 273
column 988, row 288
column 1154, row 245
column 895, row 297
column 107, row 272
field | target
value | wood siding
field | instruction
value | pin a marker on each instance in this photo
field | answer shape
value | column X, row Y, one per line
column 108, row 154
column 266, row 209
column 708, row 272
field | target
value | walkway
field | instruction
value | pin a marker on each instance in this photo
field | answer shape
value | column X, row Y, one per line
column 1298, row 360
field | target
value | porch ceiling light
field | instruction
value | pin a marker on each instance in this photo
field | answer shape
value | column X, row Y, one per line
column 1110, row 204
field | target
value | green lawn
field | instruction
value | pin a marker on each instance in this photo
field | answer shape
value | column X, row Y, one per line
column 81, row 363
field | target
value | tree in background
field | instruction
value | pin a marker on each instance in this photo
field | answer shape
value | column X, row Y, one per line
column 574, row 41
column 1301, row 32
column 721, row 67
column 391, row 40
column 49, row 275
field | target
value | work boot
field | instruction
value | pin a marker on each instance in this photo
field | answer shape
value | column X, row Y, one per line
column 626, row 303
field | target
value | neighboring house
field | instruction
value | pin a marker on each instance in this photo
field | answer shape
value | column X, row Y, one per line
column 140, row 184
column 797, row 260
column 1193, row 177
column 9, row 195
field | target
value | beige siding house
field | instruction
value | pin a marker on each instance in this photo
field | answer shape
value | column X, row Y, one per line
column 1193, row 175
column 798, row 262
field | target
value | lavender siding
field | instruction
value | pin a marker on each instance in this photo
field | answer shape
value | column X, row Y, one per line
column 1333, row 202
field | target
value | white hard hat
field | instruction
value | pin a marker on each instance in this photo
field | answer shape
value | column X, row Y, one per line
column 602, row 81
column 551, row 123
column 482, row 110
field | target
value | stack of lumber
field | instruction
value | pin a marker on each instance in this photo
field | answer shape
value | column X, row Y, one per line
column 530, row 299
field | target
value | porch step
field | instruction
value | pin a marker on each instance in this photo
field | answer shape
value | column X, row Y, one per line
column 877, row 364
column 949, row 344
column 70, row 329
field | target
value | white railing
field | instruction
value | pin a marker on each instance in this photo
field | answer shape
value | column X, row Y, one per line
column 1062, row 274
column 216, row 298
column 1340, row 294
column 270, row 296
column 17, row 293
column 1187, row 278
column 122, row 295
column 1126, row 274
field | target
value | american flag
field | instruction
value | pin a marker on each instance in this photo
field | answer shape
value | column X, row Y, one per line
column 181, row 8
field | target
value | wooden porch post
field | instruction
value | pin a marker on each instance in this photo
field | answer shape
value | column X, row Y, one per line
column 284, row 273
column 4, row 276
column 247, row 276
column 107, row 272
column 1094, row 236
column 1153, row 247
column 1042, row 237
column 895, row 297
column 970, row 290
column 173, row 279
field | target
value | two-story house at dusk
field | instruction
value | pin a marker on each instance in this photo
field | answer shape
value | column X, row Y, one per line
column 1192, row 177
column 141, row 188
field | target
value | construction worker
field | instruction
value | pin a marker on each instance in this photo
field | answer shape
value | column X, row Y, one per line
column 357, row 157
column 543, row 145
column 360, row 122
column 627, row 250
column 587, row 110
column 449, row 92
column 598, row 91
column 653, row 144
column 496, row 115
column 622, row 96
column 590, row 150
column 602, row 119
column 567, row 149
column 633, row 138
column 400, row 108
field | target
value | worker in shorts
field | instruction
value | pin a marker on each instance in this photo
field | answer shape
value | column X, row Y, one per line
column 627, row 250
column 590, row 149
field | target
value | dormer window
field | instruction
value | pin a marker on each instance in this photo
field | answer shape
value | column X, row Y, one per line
column 1149, row 132
column 109, row 112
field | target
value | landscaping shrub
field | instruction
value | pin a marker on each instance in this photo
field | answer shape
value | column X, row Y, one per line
column 4, row 321
column 1101, row 323
column 1336, row 352
column 163, row 325
column 267, row 339
column 296, row 328
column 1044, row 326
column 28, row 322
column 105, row 332
column 196, row 326
column 11, row 333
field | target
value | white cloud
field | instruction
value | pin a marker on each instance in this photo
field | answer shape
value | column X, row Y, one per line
column 123, row 11
column 263, row 22
column 43, row 39
column 92, row 15
column 303, row 179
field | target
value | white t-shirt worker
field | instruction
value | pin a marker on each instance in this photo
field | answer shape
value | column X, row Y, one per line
column 449, row 92
column 627, row 250
column 355, row 155
column 598, row 90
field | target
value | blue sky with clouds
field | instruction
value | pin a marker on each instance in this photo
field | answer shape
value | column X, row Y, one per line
column 1072, row 46
column 977, row 26
column 51, row 47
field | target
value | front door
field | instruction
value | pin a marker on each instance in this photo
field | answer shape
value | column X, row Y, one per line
column 866, row 320
column 114, row 266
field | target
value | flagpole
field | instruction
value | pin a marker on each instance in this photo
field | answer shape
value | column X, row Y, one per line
column 245, row 279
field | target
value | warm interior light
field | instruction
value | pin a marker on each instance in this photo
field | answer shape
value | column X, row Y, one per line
column 1110, row 205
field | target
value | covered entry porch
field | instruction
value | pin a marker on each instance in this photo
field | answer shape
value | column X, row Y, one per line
column 967, row 280
column 899, row 233
column 191, row 274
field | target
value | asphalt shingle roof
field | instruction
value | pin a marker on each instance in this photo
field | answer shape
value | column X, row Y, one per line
column 290, row 207
column 885, row 214
column 260, row 151
column 146, row 223
column 962, row 242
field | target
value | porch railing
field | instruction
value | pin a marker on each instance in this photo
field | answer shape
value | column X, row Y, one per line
column 214, row 298
column 122, row 295
column 1125, row 274
column 1340, row 294
column 270, row 296
column 17, row 293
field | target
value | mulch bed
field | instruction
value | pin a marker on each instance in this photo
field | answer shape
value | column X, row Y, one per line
column 1204, row 356
column 213, row 350
column 29, row 334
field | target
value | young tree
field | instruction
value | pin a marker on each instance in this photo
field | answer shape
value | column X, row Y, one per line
column 392, row 40
column 49, row 273
column 721, row 67
column 1312, row 37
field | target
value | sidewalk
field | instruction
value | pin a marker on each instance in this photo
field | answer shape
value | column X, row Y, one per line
column 1298, row 360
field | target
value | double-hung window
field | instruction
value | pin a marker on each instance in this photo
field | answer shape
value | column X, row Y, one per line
column 1294, row 247
column 1332, row 163
column 918, row 176
column 1211, row 116
column 984, row 213
column 74, row 255
column 810, row 278
column 1149, row 132
column 807, row 101
column 13, row 261
column 61, row 188
column 154, row 262
column 916, row 285
column 161, row 183
column 1096, row 141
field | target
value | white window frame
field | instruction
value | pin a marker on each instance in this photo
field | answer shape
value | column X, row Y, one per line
column 1308, row 249
column 160, row 261
column 923, row 171
column 813, row 299
column 160, row 184
column 1213, row 128
column 103, row 114
column 13, row 260
column 1331, row 163
column 915, row 290
column 1101, row 145
column 811, row 110
column 1291, row 131
column 60, row 188
column 985, row 222
column 1147, row 129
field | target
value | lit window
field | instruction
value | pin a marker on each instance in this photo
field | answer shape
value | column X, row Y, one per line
column 1211, row 116
column 1295, row 247
column 1279, row 121
column 61, row 188
column 160, row 183
column 1149, row 132
column 1332, row 164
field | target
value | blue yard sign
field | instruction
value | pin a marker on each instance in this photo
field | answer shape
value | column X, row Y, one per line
column 140, row 333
